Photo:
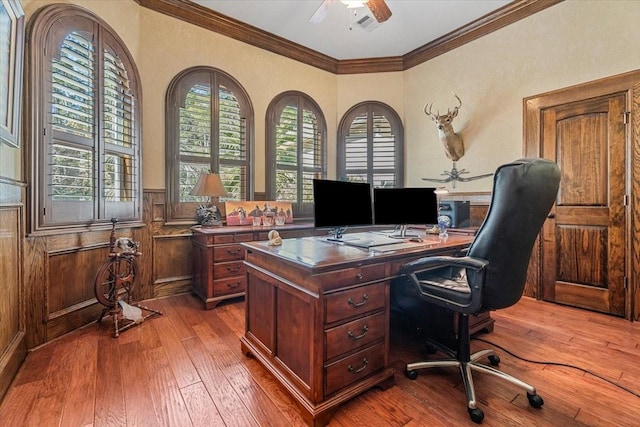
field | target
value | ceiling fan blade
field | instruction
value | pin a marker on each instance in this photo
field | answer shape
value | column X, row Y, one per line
column 379, row 9
column 321, row 12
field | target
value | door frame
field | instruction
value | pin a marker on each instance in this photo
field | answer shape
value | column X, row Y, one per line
column 628, row 83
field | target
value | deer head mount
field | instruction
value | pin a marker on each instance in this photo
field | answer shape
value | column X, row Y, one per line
column 451, row 142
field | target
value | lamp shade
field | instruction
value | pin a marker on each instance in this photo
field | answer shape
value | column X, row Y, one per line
column 209, row 184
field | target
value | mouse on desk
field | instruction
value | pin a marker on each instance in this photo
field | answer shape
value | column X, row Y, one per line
column 415, row 239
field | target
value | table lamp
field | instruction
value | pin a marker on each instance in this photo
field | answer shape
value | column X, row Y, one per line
column 209, row 184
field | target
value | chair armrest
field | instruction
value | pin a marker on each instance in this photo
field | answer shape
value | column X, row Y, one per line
column 429, row 263
column 463, row 302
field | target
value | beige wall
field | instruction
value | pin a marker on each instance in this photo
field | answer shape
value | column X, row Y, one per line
column 569, row 43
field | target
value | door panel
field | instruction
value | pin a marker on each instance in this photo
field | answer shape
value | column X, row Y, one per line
column 583, row 243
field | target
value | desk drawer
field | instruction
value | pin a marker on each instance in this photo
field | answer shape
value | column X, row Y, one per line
column 350, row 276
column 228, row 269
column 228, row 253
column 352, row 302
column 351, row 369
column 353, row 335
column 231, row 285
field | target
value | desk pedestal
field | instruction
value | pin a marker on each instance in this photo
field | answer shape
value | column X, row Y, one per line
column 317, row 317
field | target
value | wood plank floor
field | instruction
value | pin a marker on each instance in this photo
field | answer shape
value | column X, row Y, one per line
column 185, row 368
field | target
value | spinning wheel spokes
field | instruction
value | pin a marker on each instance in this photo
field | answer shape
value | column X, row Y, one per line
column 115, row 281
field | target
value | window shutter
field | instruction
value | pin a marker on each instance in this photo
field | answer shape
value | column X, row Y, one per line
column 357, row 150
column 120, row 159
column 71, row 181
column 195, row 140
column 384, row 153
column 311, row 155
column 232, row 151
column 286, row 153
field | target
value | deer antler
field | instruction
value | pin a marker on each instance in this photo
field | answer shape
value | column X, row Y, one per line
column 429, row 113
column 455, row 110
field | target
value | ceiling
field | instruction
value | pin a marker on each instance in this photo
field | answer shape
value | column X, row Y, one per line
column 413, row 23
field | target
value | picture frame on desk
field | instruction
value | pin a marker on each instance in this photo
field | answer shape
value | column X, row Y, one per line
column 242, row 213
column 11, row 68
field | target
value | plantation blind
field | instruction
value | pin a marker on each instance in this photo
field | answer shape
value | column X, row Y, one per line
column 89, row 164
column 208, row 116
column 371, row 146
column 297, row 147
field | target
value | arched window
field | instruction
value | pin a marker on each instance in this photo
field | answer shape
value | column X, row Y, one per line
column 296, row 150
column 371, row 145
column 209, row 129
column 84, row 90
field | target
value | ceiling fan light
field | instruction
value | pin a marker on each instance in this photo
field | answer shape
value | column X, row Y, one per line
column 354, row 3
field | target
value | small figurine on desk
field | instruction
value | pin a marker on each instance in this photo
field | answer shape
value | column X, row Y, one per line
column 274, row 238
column 208, row 215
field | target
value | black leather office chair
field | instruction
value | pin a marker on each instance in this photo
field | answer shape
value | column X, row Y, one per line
column 492, row 273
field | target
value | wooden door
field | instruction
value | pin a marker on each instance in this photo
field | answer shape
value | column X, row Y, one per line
column 584, row 243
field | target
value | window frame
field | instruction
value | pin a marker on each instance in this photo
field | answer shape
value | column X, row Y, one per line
column 43, row 29
column 369, row 107
column 300, row 210
column 184, row 212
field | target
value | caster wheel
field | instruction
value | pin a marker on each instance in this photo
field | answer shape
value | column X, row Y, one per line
column 494, row 360
column 476, row 415
column 412, row 375
column 535, row 400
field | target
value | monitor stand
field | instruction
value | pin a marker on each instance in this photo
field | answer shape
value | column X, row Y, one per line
column 338, row 235
column 403, row 233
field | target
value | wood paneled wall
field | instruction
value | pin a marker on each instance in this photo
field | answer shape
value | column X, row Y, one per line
column 13, row 346
column 60, row 278
column 62, row 267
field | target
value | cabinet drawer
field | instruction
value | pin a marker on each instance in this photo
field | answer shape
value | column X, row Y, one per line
column 351, row 369
column 352, row 302
column 353, row 335
column 231, row 285
column 228, row 253
column 228, row 269
column 233, row 238
column 350, row 276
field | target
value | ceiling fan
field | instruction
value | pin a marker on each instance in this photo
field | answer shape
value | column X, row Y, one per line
column 378, row 8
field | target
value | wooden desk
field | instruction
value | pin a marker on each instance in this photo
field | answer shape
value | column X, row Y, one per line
column 317, row 316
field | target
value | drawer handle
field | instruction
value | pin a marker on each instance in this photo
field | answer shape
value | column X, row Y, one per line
column 233, row 269
column 233, row 251
column 233, row 285
column 358, row 304
column 354, row 337
column 359, row 276
column 353, row 370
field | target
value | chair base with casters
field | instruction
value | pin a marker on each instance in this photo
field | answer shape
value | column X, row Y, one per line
column 468, row 362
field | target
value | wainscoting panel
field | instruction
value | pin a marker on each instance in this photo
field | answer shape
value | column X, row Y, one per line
column 13, row 346
column 172, row 264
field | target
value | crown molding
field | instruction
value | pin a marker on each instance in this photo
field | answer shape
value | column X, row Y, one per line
column 201, row 16
column 482, row 26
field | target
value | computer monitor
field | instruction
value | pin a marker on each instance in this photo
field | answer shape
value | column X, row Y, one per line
column 405, row 206
column 339, row 204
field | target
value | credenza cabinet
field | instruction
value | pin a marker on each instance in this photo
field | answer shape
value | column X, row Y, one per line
column 218, row 255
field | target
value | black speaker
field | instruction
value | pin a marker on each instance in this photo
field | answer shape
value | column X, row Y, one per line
column 457, row 211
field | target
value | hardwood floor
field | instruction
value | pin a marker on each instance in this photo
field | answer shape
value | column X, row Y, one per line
column 185, row 368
